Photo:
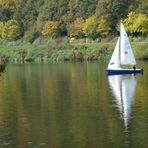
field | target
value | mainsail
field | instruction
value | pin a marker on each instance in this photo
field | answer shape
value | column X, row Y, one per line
column 126, row 54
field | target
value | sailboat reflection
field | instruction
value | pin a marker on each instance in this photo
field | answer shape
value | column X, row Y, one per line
column 123, row 88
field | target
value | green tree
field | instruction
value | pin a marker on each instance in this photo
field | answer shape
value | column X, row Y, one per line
column 12, row 30
column 5, row 14
column 86, row 8
column 19, row 15
column 142, row 6
column 71, row 13
column 54, row 10
column 27, row 14
column 31, row 13
column 112, row 10
column 48, row 11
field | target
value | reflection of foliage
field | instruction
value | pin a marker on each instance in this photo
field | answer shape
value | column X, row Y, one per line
column 2, row 63
column 80, row 90
column 2, row 67
column 143, row 52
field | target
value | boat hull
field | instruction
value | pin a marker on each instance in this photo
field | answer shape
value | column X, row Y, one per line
column 123, row 71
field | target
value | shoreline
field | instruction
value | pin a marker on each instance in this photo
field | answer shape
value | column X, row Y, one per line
column 61, row 52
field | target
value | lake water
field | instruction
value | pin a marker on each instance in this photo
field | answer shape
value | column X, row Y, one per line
column 72, row 106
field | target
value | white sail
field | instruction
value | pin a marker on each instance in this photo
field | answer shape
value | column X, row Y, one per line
column 123, row 88
column 115, row 62
column 127, row 56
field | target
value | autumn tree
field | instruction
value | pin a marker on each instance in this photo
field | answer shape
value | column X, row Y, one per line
column 1, row 28
column 140, row 24
column 103, row 27
column 32, row 14
column 90, row 27
column 12, row 30
column 51, row 28
column 76, row 28
column 12, row 4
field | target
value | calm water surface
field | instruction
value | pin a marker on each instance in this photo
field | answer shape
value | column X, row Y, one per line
column 72, row 106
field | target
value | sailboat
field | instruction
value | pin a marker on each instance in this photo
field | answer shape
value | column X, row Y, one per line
column 122, row 55
column 123, row 88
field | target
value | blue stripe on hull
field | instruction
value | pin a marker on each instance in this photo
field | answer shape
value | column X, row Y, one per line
column 123, row 71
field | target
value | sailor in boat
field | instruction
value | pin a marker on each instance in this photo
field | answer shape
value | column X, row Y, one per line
column 134, row 67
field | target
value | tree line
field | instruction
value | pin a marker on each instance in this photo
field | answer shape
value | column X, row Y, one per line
column 95, row 19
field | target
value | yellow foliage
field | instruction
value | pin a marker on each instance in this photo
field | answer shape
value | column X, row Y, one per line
column 12, row 4
column 137, row 23
column 90, row 21
column 12, row 30
column 72, row 39
column 79, row 23
column 129, row 21
column 141, row 24
column 51, row 28
column 90, row 27
column 103, row 27
column 76, row 28
column 1, row 28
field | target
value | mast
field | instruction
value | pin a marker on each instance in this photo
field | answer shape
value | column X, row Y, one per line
column 120, row 44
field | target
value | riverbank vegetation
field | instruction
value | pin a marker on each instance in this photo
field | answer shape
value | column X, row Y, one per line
column 47, row 30
column 60, row 50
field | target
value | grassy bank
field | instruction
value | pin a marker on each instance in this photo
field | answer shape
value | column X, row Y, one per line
column 60, row 52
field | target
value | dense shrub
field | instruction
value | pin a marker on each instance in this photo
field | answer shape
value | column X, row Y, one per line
column 31, row 36
column 12, row 30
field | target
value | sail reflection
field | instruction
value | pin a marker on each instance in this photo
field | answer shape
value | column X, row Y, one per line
column 123, row 88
